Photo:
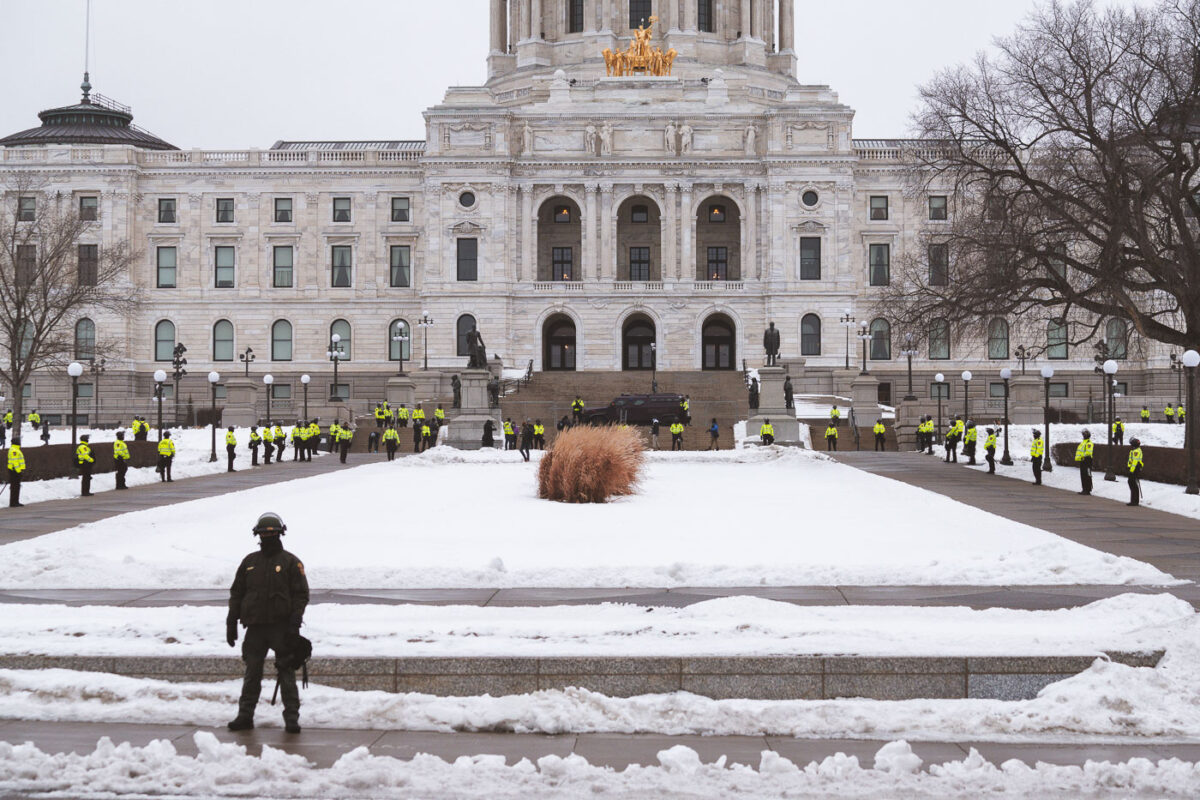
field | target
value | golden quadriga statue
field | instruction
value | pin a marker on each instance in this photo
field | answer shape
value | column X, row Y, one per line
column 640, row 58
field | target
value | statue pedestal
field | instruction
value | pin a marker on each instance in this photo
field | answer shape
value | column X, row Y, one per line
column 241, row 402
column 400, row 391
column 908, row 416
column 426, row 386
column 464, row 428
column 1026, row 394
column 864, row 394
column 772, row 406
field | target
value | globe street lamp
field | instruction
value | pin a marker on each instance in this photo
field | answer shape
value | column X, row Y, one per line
column 425, row 323
column 1110, row 402
column 865, row 335
column 940, row 382
column 847, row 323
column 247, row 358
column 268, row 379
column 908, row 352
column 1190, row 360
column 160, row 377
column 177, row 364
column 400, row 337
column 304, row 379
column 966, row 378
column 1047, row 462
column 335, row 354
column 1022, row 354
column 213, row 377
column 1177, row 368
column 74, row 369
column 1006, row 376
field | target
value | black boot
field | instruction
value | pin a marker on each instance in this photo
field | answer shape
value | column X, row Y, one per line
column 291, row 725
column 241, row 723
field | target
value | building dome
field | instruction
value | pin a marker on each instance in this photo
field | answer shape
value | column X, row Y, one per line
column 93, row 120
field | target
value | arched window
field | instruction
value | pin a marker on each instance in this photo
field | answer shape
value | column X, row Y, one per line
column 466, row 324
column 939, row 339
column 164, row 340
column 342, row 329
column 810, row 335
column 85, row 340
column 1116, row 335
column 1056, row 339
column 881, row 340
column 399, row 350
column 281, row 340
column 222, row 343
column 998, row 338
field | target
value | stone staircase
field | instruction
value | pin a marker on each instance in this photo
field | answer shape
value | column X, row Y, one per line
column 866, row 436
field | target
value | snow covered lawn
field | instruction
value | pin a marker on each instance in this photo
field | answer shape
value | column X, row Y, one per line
column 762, row 516
column 742, row 626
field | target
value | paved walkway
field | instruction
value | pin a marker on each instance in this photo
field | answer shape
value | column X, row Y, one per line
column 1170, row 542
column 324, row 746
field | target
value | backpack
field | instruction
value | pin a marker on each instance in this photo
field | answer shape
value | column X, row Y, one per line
column 300, row 655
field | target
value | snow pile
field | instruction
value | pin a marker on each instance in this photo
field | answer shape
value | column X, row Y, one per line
column 738, row 626
column 226, row 770
column 455, row 519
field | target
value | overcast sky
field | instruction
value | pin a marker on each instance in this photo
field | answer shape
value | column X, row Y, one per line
column 243, row 73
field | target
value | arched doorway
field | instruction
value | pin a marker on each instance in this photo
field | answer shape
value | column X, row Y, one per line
column 717, row 341
column 718, row 240
column 639, row 240
column 559, row 240
column 637, row 343
column 558, row 343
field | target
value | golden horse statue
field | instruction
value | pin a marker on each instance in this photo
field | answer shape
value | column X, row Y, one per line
column 640, row 57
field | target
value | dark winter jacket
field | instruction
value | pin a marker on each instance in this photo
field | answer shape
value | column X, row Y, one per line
column 270, row 586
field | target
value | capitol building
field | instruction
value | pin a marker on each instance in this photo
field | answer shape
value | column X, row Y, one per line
column 611, row 199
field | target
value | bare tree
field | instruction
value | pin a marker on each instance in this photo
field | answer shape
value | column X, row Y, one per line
column 1069, row 161
column 52, row 274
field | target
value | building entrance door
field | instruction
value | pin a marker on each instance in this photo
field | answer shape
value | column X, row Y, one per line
column 637, row 342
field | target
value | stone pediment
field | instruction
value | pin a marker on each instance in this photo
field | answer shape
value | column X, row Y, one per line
column 809, row 226
column 467, row 228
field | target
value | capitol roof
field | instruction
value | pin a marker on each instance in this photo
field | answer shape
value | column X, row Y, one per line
column 93, row 120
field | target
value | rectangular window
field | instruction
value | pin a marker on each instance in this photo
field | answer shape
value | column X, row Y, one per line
column 562, row 213
column 639, row 214
column 716, row 213
column 937, row 207
column 27, row 391
column 221, row 393
column 283, row 209
column 879, row 207
column 400, row 267
column 85, row 391
column 639, row 263
column 562, row 264
column 939, row 390
column 223, row 261
column 881, row 264
column 718, row 264
column 26, row 209
column 1056, row 340
column 281, row 391
column 575, row 16
column 166, row 210
column 639, row 13
column 340, row 263
column 283, row 260
column 89, row 264
column 341, row 209
column 704, row 17
column 939, row 265
column 340, row 390
column 89, row 208
column 996, row 389
column 468, row 259
column 26, row 264
column 224, row 209
column 939, row 340
column 166, row 267
column 810, row 258
column 1122, row 388
column 1060, row 390
column 400, row 209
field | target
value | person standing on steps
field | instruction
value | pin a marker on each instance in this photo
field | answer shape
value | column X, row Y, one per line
column 766, row 433
column 1135, row 465
column 166, row 457
column 417, row 435
column 831, row 436
column 1037, row 451
column 85, row 462
column 269, row 596
column 577, row 410
column 880, row 431
column 1083, row 457
column 255, row 443
column 121, row 459
column 676, row 435
column 230, row 447
column 402, row 415
column 714, row 436
column 16, row 465
column 391, row 440
column 989, row 449
column 835, row 416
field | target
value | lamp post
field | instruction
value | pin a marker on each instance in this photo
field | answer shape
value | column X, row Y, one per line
column 1177, row 368
column 908, row 352
column 654, row 367
column 1110, row 401
column 940, row 381
column 865, row 335
column 160, row 377
column 247, row 358
column 177, row 364
column 304, row 379
column 74, row 369
column 1190, row 360
column 335, row 353
column 213, row 377
column 1006, row 376
column 847, row 323
column 1022, row 354
column 268, row 379
column 1047, row 462
column 400, row 338
column 966, row 378
column 425, row 323
column 97, row 369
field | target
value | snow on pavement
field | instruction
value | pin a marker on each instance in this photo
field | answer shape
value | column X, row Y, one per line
column 761, row 516
column 741, row 626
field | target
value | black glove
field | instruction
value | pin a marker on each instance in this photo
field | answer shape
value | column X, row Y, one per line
column 231, row 632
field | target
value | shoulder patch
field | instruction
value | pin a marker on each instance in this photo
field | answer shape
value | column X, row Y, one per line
column 300, row 566
column 278, row 568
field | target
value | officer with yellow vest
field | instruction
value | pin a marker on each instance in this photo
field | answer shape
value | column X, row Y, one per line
column 16, row 465
column 8, row 418
column 314, row 438
column 577, row 409
column 35, row 419
column 539, row 435
column 1083, row 457
column 1037, row 451
column 268, row 437
column 439, row 416
column 989, row 449
column 510, row 434
column 970, row 443
column 280, row 442
column 380, row 416
column 835, row 416
column 676, row 435
column 831, row 436
column 121, row 459
column 426, row 437
column 141, row 429
column 880, row 431
column 1145, row 414
column 1180, row 414
column 954, row 435
column 256, row 441
column 230, row 446
column 84, row 462
column 930, row 431
column 1135, row 465
column 1169, row 413
column 402, row 416
column 391, row 440
column 166, row 455
column 344, row 435
column 294, row 438
column 1118, row 432
column 766, row 432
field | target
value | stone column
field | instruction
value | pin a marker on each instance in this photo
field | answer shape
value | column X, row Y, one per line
column 777, row 192
column 746, row 22
column 587, row 263
column 527, row 267
column 749, row 265
column 535, row 19
column 606, row 19
column 689, row 15
column 514, row 25
column 497, row 25
column 787, row 24
column 604, row 270
column 670, row 256
column 687, row 255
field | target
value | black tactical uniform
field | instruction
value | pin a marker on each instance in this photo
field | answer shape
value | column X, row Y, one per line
column 269, row 596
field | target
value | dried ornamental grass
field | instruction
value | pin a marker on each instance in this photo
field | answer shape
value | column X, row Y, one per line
column 590, row 465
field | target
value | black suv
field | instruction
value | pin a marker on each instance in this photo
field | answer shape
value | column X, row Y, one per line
column 638, row 409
